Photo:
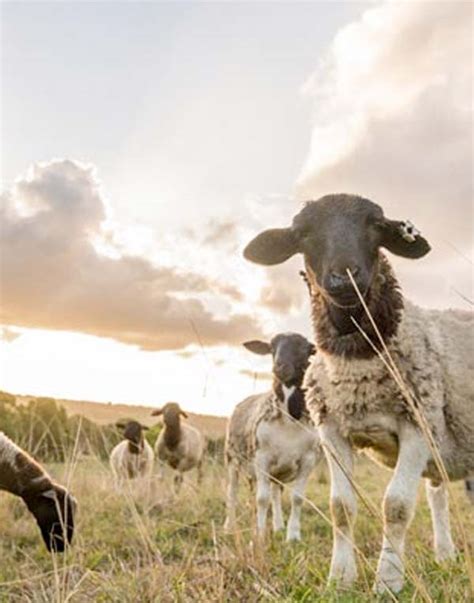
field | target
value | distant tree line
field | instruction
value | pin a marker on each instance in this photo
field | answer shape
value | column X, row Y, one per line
column 43, row 427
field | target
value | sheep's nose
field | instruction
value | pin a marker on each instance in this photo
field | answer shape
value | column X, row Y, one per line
column 284, row 372
column 339, row 279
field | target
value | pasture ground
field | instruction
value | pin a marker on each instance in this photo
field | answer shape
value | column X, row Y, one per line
column 175, row 550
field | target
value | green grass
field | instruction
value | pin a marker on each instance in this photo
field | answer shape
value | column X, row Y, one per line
column 174, row 549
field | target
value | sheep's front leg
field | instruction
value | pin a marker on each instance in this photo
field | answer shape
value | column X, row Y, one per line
column 277, row 513
column 200, row 474
column 343, row 503
column 293, row 531
column 398, row 507
column 178, row 481
column 263, row 492
column 439, row 506
column 232, row 490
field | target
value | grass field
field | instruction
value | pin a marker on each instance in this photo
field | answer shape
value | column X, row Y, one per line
column 174, row 548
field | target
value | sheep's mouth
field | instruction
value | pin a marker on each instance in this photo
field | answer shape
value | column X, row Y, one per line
column 346, row 301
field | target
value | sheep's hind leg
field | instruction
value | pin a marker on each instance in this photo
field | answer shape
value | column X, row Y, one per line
column 439, row 506
column 277, row 514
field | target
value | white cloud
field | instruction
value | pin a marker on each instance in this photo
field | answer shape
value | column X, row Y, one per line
column 9, row 335
column 56, row 273
column 393, row 122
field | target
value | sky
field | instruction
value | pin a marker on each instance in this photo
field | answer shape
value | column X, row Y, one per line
column 143, row 144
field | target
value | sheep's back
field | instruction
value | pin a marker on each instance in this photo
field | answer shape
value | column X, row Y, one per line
column 241, row 428
column 453, row 334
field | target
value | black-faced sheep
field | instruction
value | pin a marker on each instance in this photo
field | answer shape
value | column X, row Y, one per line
column 272, row 437
column 51, row 504
column 351, row 391
column 132, row 457
column 179, row 445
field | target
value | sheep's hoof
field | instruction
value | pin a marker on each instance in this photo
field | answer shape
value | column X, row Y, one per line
column 445, row 554
column 392, row 584
column 293, row 537
column 389, row 575
column 343, row 576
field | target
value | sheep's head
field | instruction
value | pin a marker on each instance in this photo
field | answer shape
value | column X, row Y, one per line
column 132, row 431
column 290, row 353
column 54, row 511
column 171, row 412
column 335, row 234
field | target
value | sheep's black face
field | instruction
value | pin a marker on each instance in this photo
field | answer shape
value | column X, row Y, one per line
column 335, row 234
column 54, row 512
column 133, row 432
column 290, row 352
column 338, row 235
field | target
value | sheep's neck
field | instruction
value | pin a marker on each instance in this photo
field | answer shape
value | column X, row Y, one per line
column 22, row 475
column 290, row 395
column 334, row 327
column 172, row 432
column 135, row 447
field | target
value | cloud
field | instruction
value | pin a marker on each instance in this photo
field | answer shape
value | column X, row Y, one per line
column 284, row 290
column 55, row 275
column 393, row 121
column 8, row 335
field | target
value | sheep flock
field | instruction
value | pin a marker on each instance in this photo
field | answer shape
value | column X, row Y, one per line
column 379, row 376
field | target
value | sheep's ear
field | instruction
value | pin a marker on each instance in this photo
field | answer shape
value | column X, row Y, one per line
column 120, row 425
column 184, row 414
column 312, row 349
column 156, row 412
column 144, row 427
column 49, row 494
column 272, row 246
column 402, row 238
column 258, row 347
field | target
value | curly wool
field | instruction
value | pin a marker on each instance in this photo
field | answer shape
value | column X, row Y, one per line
column 241, row 440
column 434, row 353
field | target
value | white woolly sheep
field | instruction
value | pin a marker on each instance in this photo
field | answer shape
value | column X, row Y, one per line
column 352, row 394
column 272, row 437
column 132, row 457
column 51, row 504
column 180, row 446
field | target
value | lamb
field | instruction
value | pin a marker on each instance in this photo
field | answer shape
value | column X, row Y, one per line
column 50, row 503
column 272, row 437
column 349, row 387
column 179, row 446
column 132, row 457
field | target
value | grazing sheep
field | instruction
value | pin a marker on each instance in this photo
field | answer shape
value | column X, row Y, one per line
column 272, row 437
column 51, row 504
column 133, row 456
column 179, row 446
column 349, row 389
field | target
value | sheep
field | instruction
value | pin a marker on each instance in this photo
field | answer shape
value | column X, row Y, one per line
column 132, row 457
column 179, row 446
column 272, row 437
column 349, row 388
column 51, row 504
